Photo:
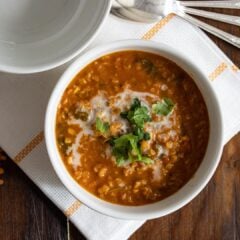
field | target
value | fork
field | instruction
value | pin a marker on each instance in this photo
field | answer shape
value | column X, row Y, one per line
column 154, row 10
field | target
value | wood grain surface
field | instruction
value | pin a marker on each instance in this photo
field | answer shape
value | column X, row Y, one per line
column 25, row 213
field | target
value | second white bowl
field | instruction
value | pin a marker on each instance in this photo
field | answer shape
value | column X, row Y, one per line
column 39, row 35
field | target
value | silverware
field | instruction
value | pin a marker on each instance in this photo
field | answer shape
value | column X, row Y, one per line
column 154, row 10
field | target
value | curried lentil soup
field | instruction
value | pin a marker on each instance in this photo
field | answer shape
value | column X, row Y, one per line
column 132, row 128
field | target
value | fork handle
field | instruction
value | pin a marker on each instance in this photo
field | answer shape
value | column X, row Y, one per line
column 235, row 20
column 234, row 40
column 216, row 4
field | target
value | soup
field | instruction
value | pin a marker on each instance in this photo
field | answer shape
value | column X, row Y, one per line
column 132, row 128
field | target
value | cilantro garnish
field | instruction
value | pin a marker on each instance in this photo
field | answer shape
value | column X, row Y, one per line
column 147, row 160
column 135, row 104
column 146, row 136
column 126, row 147
column 101, row 126
column 137, row 115
column 164, row 107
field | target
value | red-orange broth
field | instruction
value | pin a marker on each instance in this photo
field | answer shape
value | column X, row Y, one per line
column 132, row 128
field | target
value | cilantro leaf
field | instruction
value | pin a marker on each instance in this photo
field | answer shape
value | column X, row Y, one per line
column 120, row 156
column 135, row 104
column 101, row 126
column 123, row 146
column 141, row 134
column 146, row 136
column 147, row 160
column 135, row 149
column 126, row 147
column 164, row 107
column 138, row 132
column 137, row 115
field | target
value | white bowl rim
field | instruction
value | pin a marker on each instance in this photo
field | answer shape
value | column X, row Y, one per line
column 67, row 58
column 131, row 213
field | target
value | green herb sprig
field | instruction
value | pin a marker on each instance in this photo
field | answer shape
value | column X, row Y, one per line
column 101, row 126
column 137, row 115
column 127, row 147
column 164, row 107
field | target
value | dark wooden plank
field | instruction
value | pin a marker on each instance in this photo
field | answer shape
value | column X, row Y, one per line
column 25, row 213
column 75, row 234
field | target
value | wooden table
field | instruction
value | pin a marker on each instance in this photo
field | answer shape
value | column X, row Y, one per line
column 25, row 213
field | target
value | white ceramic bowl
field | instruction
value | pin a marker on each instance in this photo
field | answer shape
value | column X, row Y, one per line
column 188, row 191
column 37, row 35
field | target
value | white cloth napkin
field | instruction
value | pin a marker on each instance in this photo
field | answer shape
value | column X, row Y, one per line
column 23, row 100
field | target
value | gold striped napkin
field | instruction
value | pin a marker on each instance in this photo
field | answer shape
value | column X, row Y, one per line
column 23, row 100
